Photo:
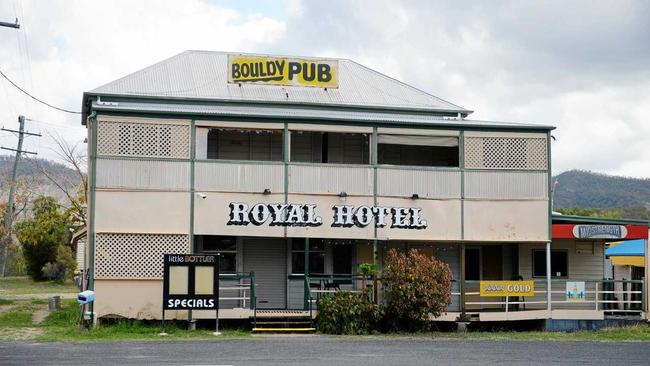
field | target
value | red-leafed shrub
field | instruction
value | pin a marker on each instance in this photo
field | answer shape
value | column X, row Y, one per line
column 415, row 287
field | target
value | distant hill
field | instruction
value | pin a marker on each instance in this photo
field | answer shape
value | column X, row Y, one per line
column 588, row 190
column 577, row 188
column 30, row 170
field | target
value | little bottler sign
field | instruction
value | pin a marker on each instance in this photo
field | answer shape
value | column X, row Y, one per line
column 190, row 282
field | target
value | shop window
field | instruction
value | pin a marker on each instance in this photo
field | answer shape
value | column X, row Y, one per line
column 224, row 245
column 441, row 151
column 316, row 256
column 559, row 263
column 330, row 147
column 342, row 259
column 235, row 144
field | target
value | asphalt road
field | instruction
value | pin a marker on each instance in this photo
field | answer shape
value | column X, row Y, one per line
column 325, row 351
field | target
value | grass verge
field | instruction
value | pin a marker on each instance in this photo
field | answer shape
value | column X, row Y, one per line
column 24, row 285
column 635, row 333
column 63, row 325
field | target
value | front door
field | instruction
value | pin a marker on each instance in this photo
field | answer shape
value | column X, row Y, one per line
column 268, row 259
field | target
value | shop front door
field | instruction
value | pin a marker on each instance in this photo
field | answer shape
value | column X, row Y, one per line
column 268, row 259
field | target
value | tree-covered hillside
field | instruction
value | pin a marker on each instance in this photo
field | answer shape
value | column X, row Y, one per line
column 605, row 195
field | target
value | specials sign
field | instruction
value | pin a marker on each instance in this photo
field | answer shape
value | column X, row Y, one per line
column 283, row 71
column 190, row 282
column 345, row 216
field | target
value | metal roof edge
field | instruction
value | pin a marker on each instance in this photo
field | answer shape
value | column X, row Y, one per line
column 599, row 220
column 445, row 123
column 451, row 112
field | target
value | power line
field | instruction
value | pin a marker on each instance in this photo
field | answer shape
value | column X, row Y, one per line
column 35, row 98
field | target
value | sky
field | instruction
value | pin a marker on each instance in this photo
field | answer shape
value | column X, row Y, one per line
column 582, row 66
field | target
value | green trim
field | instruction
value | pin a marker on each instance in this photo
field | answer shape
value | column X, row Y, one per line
column 192, row 188
column 285, row 158
column 192, row 158
column 272, row 103
column 141, row 158
column 461, row 163
column 550, row 186
column 419, row 168
column 325, row 165
column 374, row 158
column 92, row 204
column 461, row 272
column 306, row 269
column 493, row 170
column 257, row 162
column 596, row 220
column 329, row 121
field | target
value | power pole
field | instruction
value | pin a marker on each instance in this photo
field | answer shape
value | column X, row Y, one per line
column 9, row 212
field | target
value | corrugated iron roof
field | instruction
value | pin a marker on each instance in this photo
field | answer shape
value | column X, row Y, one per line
column 204, row 75
column 295, row 112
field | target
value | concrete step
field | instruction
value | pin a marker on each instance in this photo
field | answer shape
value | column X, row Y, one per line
column 284, row 330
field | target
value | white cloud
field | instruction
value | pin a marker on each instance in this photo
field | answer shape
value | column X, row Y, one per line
column 75, row 46
column 581, row 66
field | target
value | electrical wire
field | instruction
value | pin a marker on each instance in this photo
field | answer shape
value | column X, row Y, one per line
column 35, row 98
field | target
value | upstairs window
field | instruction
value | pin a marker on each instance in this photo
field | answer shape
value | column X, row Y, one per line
column 240, row 144
column 413, row 150
column 330, row 147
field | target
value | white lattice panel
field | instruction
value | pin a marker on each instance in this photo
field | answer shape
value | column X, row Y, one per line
column 125, row 256
column 164, row 140
column 525, row 153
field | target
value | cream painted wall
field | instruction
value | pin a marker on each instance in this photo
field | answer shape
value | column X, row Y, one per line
column 136, row 299
column 507, row 221
column 212, row 213
column 324, row 210
column 442, row 216
column 142, row 212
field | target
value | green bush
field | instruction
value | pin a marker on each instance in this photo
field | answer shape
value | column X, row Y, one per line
column 41, row 236
column 416, row 286
column 347, row 313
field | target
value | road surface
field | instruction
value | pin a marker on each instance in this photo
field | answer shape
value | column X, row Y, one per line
column 318, row 350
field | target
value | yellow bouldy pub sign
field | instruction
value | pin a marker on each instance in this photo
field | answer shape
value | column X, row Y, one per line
column 283, row 71
column 507, row 288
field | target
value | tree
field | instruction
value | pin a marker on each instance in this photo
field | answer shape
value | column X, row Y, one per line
column 75, row 190
column 10, row 260
column 416, row 286
column 42, row 235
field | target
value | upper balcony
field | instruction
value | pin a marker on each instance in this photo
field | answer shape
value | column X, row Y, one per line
column 321, row 160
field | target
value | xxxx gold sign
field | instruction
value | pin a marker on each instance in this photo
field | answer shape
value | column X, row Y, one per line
column 507, row 288
column 283, row 71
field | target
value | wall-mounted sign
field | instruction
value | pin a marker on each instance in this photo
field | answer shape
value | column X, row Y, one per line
column 283, row 71
column 575, row 291
column 507, row 288
column 191, row 282
column 599, row 231
column 292, row 214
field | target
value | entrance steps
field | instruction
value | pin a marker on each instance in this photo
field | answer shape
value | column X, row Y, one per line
column 278, row 323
